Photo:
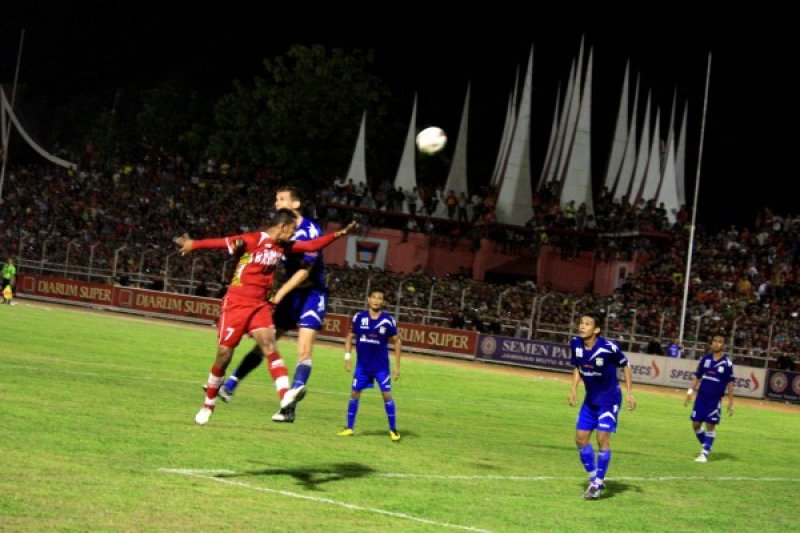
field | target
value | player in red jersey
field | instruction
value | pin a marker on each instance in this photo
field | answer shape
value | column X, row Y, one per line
column 245, row 308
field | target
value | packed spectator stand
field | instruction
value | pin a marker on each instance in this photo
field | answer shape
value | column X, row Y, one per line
column 116, row 224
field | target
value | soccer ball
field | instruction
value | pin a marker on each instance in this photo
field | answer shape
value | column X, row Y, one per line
column 431, row 140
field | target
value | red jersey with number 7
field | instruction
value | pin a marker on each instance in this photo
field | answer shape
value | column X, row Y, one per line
column 261, row 255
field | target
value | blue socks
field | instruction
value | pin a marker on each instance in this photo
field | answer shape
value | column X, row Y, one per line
column 587, row 458
column 352, row 411
column 700, row 434
column 391, row 414
column 709, row 440
column 301, row 373
column 603, row 458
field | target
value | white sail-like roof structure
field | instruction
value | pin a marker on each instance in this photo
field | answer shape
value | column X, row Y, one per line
column 514, row 203
column 641, row 157
column 620, row 138
column 577, row 184
column 508, row 131
column 546, row 174
column 358, row 164
column 652, row 174
column 623, row 184
column 457, row 177
column 407, row 171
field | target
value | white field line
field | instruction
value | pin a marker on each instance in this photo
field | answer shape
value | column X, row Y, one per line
column 567, row 478
column 212, row 475
column 206, row 473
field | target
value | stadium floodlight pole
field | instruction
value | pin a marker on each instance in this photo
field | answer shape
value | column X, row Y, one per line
column 687, row 276
column 7, row 133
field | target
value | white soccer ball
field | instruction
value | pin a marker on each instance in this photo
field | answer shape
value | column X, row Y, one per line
column 431, row 140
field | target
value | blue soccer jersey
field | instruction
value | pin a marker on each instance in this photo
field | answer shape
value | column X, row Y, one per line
column 714, row 376
column 305, row 306
column 371, row 337
column 305, row 231
column 598, row 368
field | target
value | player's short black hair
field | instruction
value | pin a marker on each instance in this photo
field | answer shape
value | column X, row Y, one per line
column 598, row 316
column 377, row 289
column 283, row 216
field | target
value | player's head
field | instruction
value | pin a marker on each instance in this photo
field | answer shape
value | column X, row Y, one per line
column 283, row 224
column 717, row 343
column 376, row 299
column 590, row 324
column 288, row 197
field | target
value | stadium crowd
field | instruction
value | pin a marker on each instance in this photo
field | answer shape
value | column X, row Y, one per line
column 119, row 220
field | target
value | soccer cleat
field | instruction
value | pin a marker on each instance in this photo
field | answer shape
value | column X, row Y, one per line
column 225, row 394
column 393, row 434
column 702, row 458
column 293, row 396
column 202, row 416
column 286, row 414
column 593, row 491
column 346, row 432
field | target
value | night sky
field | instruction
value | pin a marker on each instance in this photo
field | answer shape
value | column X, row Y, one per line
column 749, row 145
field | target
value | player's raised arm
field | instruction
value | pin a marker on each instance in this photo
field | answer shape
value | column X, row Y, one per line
column 319, row 243
column 184, row 243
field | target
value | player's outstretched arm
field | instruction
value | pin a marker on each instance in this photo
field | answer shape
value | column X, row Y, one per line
column 320, row 242
column 184, row 243
column 347, row 229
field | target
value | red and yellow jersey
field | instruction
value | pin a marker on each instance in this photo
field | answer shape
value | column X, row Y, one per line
column 260, row 256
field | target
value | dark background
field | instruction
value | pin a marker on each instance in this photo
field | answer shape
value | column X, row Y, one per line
column 750, row 138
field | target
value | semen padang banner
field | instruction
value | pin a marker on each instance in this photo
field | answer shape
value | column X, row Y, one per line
column 523, row 352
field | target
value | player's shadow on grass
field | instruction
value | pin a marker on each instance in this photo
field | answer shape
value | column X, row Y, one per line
column 311, row 477
column 721, row 456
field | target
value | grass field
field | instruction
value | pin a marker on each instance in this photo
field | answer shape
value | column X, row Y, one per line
column 98, row 434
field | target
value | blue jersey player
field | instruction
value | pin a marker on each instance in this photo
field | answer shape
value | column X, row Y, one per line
column 300, row 303
column 714, row 374
column 372, row 331
column 596, row 361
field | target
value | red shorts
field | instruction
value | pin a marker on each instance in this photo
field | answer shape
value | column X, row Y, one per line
column 240, row 316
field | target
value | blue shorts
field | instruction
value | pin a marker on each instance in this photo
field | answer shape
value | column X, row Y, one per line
column 710, row 412
column 365, row 379
column 301, row 309
column 599, row 417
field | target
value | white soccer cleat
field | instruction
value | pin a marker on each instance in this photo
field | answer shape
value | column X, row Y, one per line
column 702, row 458
column 202, row 416
column 594, row 490
column 293, row 396
column 284, row 415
